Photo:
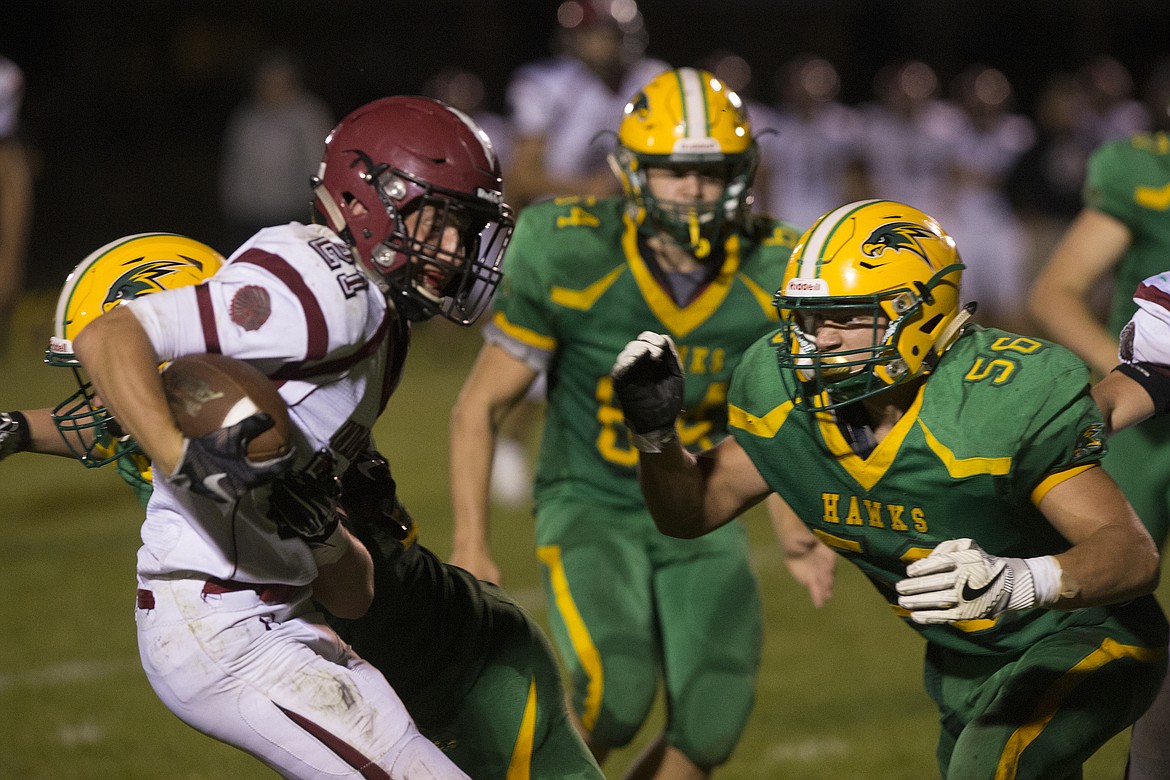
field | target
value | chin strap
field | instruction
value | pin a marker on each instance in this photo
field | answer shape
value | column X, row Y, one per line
column 953, row 329
column 700, row 245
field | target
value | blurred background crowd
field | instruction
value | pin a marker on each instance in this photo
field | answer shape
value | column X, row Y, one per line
column 207, row 118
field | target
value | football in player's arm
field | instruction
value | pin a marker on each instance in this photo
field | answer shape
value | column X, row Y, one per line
column 956, row 466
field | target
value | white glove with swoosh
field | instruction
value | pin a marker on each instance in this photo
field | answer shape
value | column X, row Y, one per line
column 959, row 581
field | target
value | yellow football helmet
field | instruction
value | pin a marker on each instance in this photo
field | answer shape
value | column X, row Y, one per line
column 872, row 257
column 681, row 119
column 117, row 272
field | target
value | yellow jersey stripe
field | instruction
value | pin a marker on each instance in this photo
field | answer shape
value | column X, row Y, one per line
column 583, row 300
column 960, row 468
column 836, row 542
column 765, row 427
column 869, row 471
column 524, row 335
column 1052, row 480
column 680, row 321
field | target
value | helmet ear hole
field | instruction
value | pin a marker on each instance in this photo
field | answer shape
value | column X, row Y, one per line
column 930, row 325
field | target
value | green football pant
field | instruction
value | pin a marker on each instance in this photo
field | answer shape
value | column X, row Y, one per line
column 512, row 723
column 1040, row 716
column 631, row 606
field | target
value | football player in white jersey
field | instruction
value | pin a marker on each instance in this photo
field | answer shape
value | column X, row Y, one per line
column 559, row 105
column 416, row 226
column 1139, row 387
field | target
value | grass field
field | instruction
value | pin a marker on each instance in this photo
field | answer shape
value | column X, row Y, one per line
column 840, row 695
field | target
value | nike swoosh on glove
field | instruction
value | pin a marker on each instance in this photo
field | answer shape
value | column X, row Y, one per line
column 959, row 581
column 216, row 465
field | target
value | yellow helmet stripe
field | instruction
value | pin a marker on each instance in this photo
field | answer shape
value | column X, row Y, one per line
column 820, row 235
column 690, row 85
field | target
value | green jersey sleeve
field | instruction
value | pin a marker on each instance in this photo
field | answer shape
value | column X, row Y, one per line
column 1064, row 433
column 1110, row 179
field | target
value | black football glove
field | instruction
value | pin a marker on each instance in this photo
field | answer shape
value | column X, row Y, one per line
column 368, row 497
column 14, row 433
column 648, row 382
column 216, row 465
column 303, row 506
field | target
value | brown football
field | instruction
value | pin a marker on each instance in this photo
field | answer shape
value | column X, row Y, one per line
column 208, row 392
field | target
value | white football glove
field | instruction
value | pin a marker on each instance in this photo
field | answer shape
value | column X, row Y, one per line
column 959, row 581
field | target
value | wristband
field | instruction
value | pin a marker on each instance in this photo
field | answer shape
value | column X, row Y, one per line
column 1046, row 578
column 653, row 441
column 15, row 435
column 332, row 548
column 1153, row 379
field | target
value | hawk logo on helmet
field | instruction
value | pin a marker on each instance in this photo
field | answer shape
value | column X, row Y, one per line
column 897, row 236
column 143, row 279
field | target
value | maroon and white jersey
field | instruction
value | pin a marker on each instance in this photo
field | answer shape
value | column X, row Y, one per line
column 291, row 302
column 1146, row 339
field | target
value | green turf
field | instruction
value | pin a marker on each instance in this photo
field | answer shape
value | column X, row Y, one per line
column 839, row 696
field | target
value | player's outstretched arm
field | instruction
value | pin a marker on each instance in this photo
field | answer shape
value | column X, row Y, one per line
column 345, row 584
column 497, row 382
column 30, row 430
column 687, row 495
column 810, row 562
column 1123, row 402
column 1059, row 299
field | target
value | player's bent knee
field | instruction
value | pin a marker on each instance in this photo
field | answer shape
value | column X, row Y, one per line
column 707, row 731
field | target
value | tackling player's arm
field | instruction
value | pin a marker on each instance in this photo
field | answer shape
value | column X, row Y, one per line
column 30, row 430
column 1090, row 248
column 1123, row 401
column 345, row 586
column 691, row 495
column 497, row 382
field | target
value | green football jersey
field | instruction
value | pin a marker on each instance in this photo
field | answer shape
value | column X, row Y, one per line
column 1002, row 420
column 577, row 289
column 1129, row 179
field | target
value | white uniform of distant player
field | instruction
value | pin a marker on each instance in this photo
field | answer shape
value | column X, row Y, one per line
column 258, row 668
column 566, row 103
column 1146, row 339
column 807, row 160
column 908, row 159
column 991, row 238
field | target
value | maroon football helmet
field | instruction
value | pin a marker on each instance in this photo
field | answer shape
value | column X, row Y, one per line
column 414, row 186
